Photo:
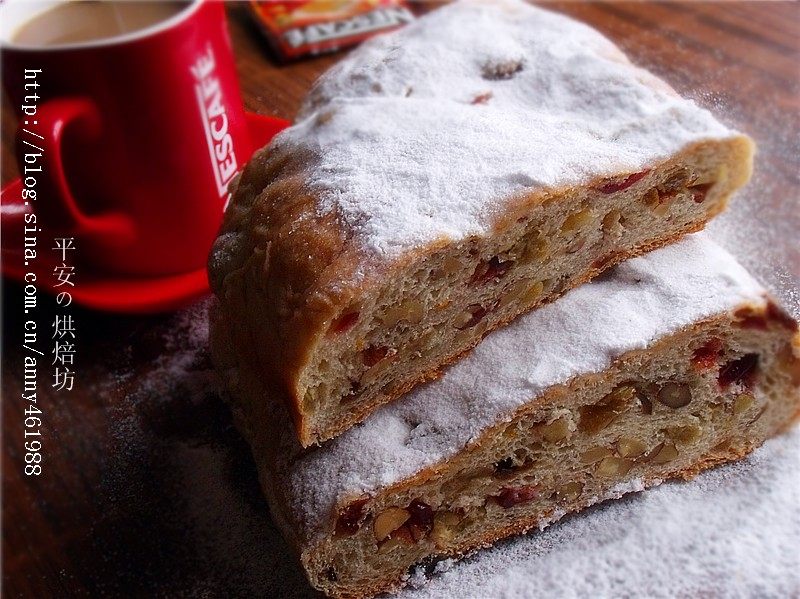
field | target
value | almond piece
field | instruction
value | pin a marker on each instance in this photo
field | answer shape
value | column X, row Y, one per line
column 399, row 538
column 628, row 447
column 667, row 453
column 596, row 417
column 451, row 265
column 521, row 289
column 470, row 317
column 651, row 198
column 535, row 250
column 742, row 403
column 490, row 271
column 445, row 524
column 664, row 203
column 388, row 521
column 686, row 435
column 410, row 310
column 676, row 181
column 569, row 491
column 612, row 466
column 555, row 431
column 534, row 292
column 674, row 395
column 595, row 454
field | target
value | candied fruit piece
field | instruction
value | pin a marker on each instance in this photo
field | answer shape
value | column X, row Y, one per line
column 576, row 220
column 615, row 186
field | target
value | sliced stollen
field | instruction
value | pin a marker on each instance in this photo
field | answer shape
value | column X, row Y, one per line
column 669, row 364
column 442, row 180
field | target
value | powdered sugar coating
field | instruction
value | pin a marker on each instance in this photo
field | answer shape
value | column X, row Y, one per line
column 427, row 132
column 637, row 303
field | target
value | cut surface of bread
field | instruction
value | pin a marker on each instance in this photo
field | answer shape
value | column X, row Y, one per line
column 442, row 180
column 669, row 364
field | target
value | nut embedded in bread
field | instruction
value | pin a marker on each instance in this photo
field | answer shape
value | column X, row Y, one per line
column 442, row 180
column 673, row 363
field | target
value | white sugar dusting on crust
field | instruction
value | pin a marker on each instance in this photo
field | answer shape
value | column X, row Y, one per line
column 427, row 132
column 637, row 303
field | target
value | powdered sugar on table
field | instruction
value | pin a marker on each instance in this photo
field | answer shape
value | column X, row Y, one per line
column 426, row 132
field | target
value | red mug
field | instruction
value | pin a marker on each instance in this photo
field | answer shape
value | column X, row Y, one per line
column 140, row 135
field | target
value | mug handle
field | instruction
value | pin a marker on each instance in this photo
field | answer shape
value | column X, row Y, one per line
column 54, row 117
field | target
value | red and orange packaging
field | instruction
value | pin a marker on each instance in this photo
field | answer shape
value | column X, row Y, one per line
column 305, row 27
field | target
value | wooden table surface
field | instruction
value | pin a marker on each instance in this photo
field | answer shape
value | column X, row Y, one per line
column 148, row 489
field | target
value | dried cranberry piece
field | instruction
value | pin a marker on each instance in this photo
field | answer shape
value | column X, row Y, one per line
column 421, row 521
column 742, row 370
column 774, row 312
column 752, row 321
column 403, row 533
column 511, row 496
column 705, row 356
column 344, row 322
column 349, row 520
column 615, row 186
